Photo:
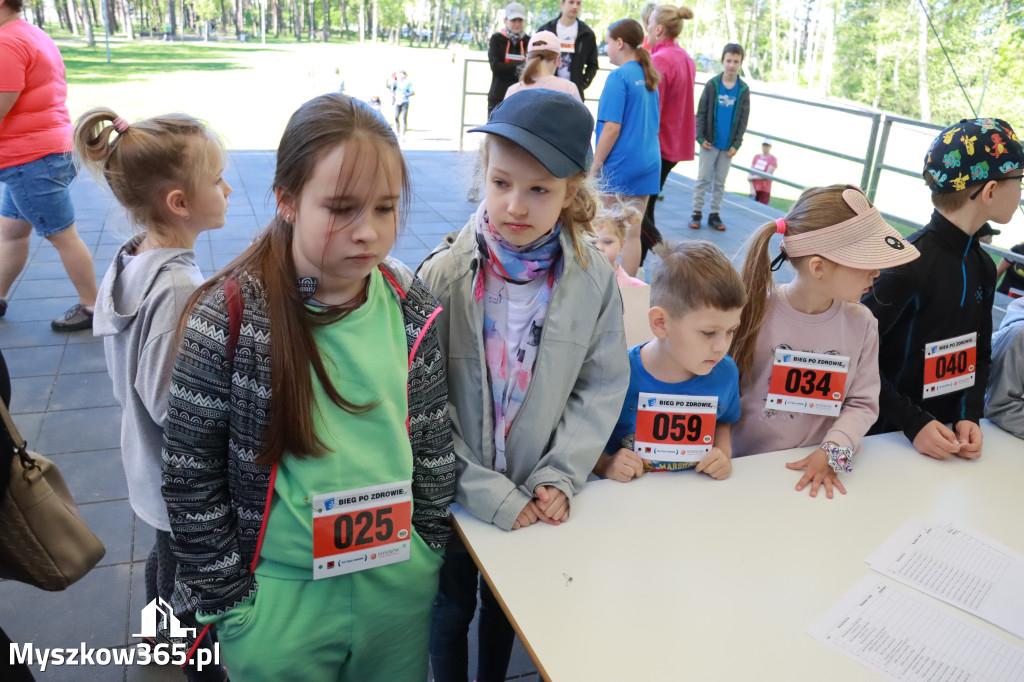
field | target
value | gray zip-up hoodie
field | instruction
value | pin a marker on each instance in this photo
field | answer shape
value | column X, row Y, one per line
column 579, row 380
column 1007, row 373
column 137, row 310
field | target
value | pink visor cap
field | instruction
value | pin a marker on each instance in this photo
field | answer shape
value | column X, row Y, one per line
column 865, row 241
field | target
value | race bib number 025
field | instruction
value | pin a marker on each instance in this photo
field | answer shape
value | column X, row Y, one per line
column 811, row 383
column 354, row 530
column 950, row 365
column 675, row 428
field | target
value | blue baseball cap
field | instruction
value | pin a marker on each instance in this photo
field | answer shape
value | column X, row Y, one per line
column 552, row 126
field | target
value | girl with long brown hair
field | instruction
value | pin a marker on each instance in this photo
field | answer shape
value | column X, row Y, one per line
column 628, row 159
column 807, row 351
column 308, row 461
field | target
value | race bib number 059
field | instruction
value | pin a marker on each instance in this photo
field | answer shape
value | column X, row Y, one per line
column 675, row 428
column 950, row 365
column 354, row 530
column 811, row 383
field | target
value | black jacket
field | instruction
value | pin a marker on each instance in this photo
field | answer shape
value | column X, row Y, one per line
column 504, row 73
column 707, row 110
column 584, row 64
column 945, row 293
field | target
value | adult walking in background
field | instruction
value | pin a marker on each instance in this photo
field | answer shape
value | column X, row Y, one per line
column 677, row 130
column 35, row 163
column 506, row 53
column 578, row 45
column 628, row 158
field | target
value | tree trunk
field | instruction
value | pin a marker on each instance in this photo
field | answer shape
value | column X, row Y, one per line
column 129, row 29
column 922, row 63
column 327, row 20
column 173, row 21
column 344, row 18
column 375, row 20
column 111, row 11
column 312, row 20
column 223, row 15
column 73, row 17
column 825, row 80
column 775, row 42
column 90, row 36
column 239, row 18
column 362, row 21
column 275, row 13
column 879, row 51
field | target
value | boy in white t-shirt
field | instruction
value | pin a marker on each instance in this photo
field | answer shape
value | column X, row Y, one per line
column 578, row 45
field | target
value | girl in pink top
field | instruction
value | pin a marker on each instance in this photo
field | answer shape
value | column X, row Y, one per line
column 542, row 62
column 609, row 226
column 807, row 351
column 677, row 130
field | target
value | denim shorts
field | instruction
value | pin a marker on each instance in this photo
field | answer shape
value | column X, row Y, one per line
column 37, row 192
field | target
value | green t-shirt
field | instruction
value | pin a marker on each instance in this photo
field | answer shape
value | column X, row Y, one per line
column 365, row 355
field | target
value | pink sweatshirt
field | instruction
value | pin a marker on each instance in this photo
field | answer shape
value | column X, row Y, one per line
column 625, row 280
column 844, row 329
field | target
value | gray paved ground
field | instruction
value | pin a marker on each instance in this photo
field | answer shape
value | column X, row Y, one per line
column 62, row 399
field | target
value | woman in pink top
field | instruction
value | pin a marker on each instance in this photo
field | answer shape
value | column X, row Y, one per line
column 35, row 163
column 542, row 62
column 677, row 131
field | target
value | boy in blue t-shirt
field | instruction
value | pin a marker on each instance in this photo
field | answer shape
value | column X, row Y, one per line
column 721, row 121
column 696, row 301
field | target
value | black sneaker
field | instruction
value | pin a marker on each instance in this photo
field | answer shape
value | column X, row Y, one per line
column 716, row 222
column 76, row 318
column 3, row 307
column 695, row 220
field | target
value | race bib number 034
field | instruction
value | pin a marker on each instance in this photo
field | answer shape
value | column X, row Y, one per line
column 811, row 383
column 354, row 530
column 950, row 365
column 675, row 428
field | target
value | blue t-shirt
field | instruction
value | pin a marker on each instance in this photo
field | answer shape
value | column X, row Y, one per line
column 722, row 381
column 723, row 115
column 634, row 165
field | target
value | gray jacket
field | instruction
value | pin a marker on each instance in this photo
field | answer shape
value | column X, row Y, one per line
column 137, row 310
column 579, row 380
column 1007, row 373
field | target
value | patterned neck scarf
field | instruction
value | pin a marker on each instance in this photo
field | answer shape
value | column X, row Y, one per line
column 510, row 361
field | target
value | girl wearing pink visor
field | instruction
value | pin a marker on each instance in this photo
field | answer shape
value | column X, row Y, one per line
column 807, row 351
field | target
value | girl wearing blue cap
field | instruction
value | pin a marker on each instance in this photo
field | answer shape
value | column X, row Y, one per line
column 531, row 326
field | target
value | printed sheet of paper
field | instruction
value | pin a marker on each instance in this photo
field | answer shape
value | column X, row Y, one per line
column 960, row 567
column 899, row 635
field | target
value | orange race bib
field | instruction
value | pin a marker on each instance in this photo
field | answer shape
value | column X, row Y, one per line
column 354, row 530
column 811, row 383
column 567, row 45
column 1014, row 292
column 950, row 365
column 675, row 428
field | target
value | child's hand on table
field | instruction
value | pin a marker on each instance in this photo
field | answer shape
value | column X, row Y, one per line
column 938, row 441
column 552, row 504
column 623, row 466
column 716, row 464
column 817, row 472
column 527, row 517
column 969, row 435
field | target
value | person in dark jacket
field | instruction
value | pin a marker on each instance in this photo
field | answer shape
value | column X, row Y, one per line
column 579, row 46
column 506, row 53
column 935, row 314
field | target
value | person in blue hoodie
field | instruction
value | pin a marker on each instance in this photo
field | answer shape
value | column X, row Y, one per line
column 167, row 173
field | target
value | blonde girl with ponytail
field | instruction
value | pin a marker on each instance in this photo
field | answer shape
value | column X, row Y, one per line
column 627, row 160
column 807, row 351
column 168, row 174
column 542, row 61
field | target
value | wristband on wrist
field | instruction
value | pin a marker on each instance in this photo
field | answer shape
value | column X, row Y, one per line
column 839, row 458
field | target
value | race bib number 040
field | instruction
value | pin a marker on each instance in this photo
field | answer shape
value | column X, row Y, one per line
column 811, row 383
column 675, row 428
column 950, row 365
column 354, row 530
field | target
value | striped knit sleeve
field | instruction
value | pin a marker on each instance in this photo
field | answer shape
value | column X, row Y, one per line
column 212, row 572
column 430, row 430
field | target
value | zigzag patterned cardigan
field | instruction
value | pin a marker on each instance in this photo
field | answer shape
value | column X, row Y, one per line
column 218, row 498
